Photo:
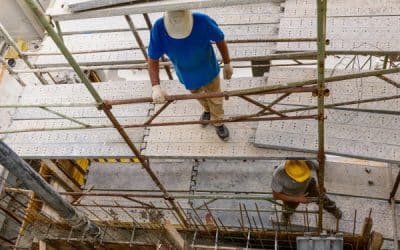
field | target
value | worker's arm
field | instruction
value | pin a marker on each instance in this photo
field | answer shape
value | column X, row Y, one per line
column 154, row 71
column 289, row 198
column 158, row 94
column 223, row 49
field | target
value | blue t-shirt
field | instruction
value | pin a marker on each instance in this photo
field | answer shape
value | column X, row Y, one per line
column 193, row 57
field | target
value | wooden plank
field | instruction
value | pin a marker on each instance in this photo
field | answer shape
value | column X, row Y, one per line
column 61, row 176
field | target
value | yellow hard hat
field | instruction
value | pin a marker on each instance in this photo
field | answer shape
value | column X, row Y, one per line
column 297, row 170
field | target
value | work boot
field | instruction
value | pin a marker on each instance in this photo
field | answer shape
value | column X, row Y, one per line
column 285, row 218
column 206, row 116
column 222, row 132
column 337, row 213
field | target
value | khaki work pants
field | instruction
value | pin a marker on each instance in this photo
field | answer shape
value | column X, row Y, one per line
column 213, row 105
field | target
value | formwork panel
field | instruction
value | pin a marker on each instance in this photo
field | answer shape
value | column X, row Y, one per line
column 175, row 176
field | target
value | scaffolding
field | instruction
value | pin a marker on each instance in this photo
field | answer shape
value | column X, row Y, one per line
column 251, row 230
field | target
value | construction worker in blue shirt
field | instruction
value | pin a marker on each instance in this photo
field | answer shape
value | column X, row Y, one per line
column 186, row 38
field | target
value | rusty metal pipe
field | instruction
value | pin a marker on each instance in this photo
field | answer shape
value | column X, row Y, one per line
column 226, row 94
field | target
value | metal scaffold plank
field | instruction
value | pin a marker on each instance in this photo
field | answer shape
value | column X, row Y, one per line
column 352, row 134
column 94, row 59
column 92, row 143
column 48, row 122
column 376, row 33
column 249, row 14
column 99, row 136
column 192, row 141
column 77, row 93
column 139, row 110
column 60, row 10
column 73, row 151
column 129, row 52
column 115, row 40
column 343, row 91
column 307, row 8
column 135, row 56
column 82, row 5
column 131, row 176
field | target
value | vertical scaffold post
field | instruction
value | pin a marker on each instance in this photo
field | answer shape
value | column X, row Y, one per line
column 321, row 41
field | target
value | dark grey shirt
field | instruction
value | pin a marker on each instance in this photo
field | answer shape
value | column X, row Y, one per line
column 282, row 183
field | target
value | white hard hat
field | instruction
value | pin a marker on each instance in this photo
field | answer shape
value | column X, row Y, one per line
column 178, row 23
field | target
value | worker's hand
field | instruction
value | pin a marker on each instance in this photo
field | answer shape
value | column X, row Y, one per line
column 302, row 199
column 158, row 94
column 228, row 71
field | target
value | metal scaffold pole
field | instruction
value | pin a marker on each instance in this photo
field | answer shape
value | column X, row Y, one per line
column 32, row 180
column 321, row 26
column 106, row 108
